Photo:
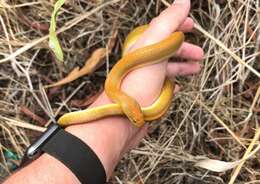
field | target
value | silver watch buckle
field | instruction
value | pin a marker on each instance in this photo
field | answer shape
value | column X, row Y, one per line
column 34, row 150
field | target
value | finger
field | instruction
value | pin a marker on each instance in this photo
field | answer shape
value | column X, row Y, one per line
column 181, row 69
column 187, row 25
column 190, row 51
column 166, row 23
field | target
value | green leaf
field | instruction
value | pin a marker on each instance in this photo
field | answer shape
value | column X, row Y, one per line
column 54, row 43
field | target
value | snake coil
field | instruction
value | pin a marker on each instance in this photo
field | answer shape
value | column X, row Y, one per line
column 124, row 104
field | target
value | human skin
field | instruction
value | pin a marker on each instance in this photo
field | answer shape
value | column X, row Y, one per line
column 110, row 138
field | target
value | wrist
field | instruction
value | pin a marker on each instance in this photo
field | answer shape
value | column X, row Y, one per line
column 107, row 137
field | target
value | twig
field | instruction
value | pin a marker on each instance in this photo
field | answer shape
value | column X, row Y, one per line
column 22, row 124
column 32, row 115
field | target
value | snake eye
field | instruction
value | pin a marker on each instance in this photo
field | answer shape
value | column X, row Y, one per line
column 137, row 120
column 134, row 120
column 133, row 114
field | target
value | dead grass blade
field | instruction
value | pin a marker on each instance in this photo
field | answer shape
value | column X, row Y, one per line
column 90, row 66
column 94, row 62
column 247, row 153
column 221, row 166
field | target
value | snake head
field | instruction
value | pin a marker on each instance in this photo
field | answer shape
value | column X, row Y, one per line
column 135, row 115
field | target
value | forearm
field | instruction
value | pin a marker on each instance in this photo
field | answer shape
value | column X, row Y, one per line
column 46, row 169
column 107, row 138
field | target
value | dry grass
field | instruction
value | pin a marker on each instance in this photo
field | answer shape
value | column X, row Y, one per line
column 215, row 115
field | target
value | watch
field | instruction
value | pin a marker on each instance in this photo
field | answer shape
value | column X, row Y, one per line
column 71, row 151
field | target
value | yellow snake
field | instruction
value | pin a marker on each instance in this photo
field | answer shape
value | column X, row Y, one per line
column 124, row 104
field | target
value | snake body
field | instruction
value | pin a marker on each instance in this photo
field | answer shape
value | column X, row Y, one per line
column 124, row 104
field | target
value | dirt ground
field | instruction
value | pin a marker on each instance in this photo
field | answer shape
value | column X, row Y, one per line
column 215, row 115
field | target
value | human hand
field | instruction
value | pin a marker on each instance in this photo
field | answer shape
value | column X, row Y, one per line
column 111, row 137
column 174, row 18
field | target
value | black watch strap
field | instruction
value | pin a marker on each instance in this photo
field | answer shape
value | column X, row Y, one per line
column 76, row 155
